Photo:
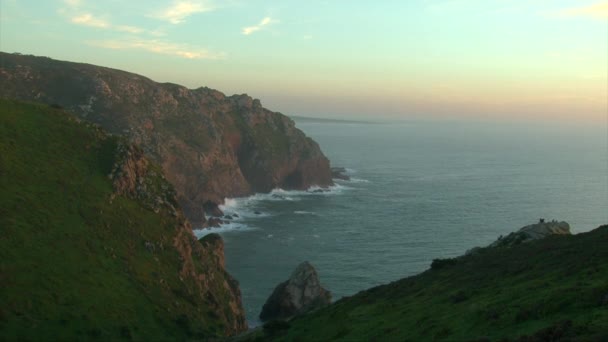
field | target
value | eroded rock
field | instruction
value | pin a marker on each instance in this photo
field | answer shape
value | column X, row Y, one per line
column 210, row 146
column 301, row 293
column 339, row 173
column 532, row 232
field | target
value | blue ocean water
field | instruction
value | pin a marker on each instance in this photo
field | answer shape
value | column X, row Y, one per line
column 419, row 191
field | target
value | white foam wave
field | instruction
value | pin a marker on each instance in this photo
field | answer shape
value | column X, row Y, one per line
column 248, row 207
column 303, row 212
column 352, row 180
column 335, row 189
column 224, row 228
column 241, row 210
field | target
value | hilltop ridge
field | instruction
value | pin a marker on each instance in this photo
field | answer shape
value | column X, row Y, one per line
column 210, row 146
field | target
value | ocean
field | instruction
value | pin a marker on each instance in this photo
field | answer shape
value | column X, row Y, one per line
column 419, row 190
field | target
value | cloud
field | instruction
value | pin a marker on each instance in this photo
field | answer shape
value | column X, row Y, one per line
column 159, row 47
column 180, row 10
column 598, row 10
column 88, row 19
column 77, row 16
column 129, row 29
column 134, row 38
column 251, row 29
column 72, row 3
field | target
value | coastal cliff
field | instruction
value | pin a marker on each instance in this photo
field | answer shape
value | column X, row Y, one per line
column 95, row 244
column 210, row 146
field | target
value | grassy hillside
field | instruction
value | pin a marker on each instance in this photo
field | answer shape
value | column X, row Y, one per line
column 209, row 145
column 78, row 261
column 549, row 290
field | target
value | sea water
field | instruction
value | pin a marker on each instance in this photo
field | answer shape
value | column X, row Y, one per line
column 418, row 191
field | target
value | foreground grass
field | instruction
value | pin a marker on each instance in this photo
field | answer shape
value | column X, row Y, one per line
column 75, row 262
column 550, row 290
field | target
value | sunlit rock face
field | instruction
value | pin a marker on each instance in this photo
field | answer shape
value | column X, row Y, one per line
column 210, row 146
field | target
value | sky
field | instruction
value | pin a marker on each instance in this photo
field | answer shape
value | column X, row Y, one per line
column 493, row 59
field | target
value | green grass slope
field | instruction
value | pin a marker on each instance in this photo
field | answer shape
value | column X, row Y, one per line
column 549, row 290
column 78, row 261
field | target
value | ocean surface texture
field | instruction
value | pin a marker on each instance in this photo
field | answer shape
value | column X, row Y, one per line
column 419, row 191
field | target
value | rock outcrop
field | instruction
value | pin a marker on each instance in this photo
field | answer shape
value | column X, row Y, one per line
column 229, row 306
column 92, row 216
column 210, row 145
column 339, row 173
column 135, row 177
column 301, row 293
column 532, row 232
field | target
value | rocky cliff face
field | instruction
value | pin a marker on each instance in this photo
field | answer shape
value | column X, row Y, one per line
column 210, row 145
column 95, row 245
column 202, row 262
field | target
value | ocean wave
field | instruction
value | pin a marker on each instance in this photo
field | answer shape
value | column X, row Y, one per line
column 224, row 228
column 244, row 209
column 246, row 206
column 350, row 172
column 304, row 212
column 357, row 180
column 314, row 190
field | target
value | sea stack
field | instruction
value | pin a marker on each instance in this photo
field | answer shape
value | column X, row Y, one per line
column 301, row 293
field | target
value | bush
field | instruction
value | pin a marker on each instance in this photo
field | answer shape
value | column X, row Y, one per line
column 442, row 263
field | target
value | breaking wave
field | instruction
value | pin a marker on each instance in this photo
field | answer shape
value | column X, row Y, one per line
column 242, row 212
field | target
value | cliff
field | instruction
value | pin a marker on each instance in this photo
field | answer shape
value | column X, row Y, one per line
column 94, row 244
column 210, row 145
column 550, row 289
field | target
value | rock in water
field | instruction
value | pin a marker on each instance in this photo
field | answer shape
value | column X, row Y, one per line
column 339, row 173
column 300, row 294
column 532, row 232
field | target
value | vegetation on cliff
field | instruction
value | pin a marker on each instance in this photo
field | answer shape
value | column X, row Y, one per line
column 94, row 245
column 210, row 146
column 554, row 289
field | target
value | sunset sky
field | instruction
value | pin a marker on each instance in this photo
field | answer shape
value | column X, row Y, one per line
column 542, row 59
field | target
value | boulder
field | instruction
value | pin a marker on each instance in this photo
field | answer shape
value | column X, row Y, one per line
column 532, row 232
column 301, row 293
column 213, row 209
column 339, row 173
column 214, row 222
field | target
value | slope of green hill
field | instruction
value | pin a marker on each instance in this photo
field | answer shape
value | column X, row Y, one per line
column 209, row 145
column 93, row 245
column 555, row 289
